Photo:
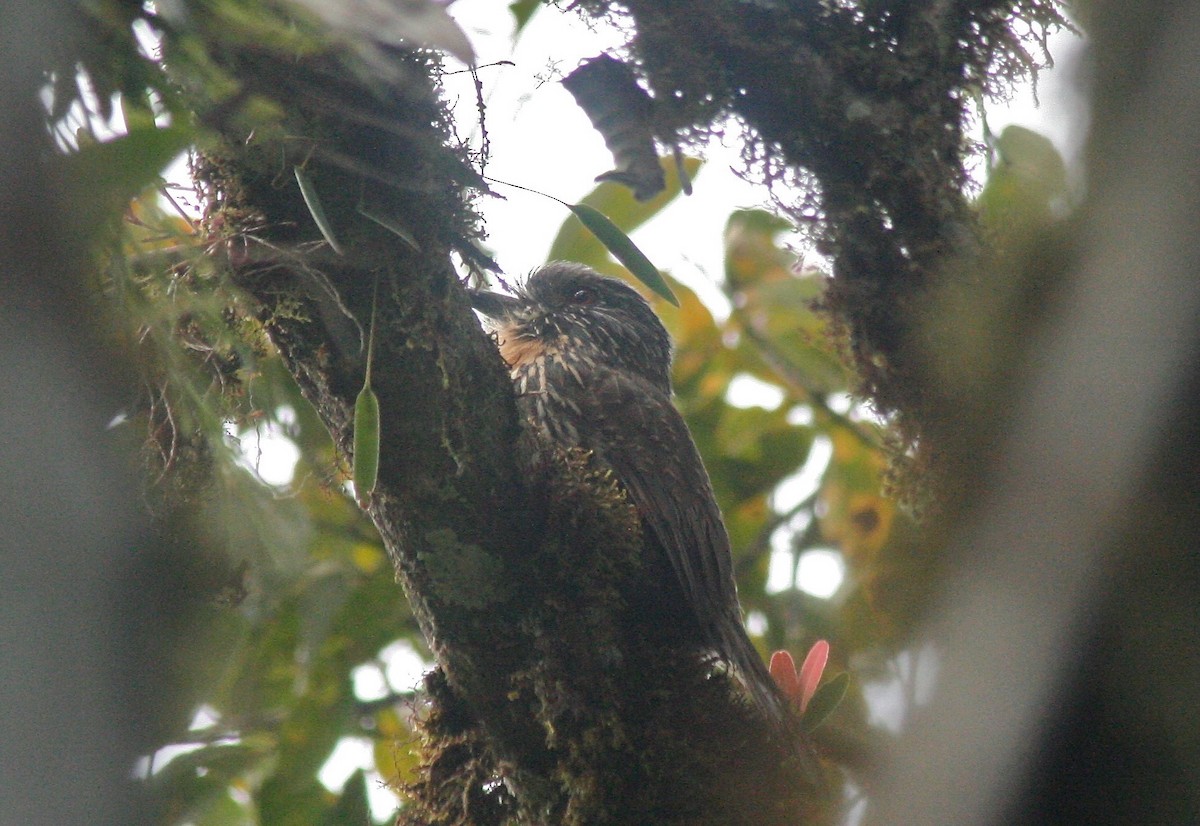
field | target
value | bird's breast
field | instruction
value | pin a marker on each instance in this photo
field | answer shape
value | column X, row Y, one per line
column 548, row 391
column 517, row 351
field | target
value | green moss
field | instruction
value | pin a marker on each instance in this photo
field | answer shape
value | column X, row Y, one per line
column 462, row 573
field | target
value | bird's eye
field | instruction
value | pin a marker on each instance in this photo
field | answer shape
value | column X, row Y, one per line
column 584, row 296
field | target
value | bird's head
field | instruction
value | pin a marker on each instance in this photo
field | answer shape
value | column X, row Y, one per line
column 574, row 313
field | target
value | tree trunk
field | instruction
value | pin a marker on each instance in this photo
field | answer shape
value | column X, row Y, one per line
column 553, row 704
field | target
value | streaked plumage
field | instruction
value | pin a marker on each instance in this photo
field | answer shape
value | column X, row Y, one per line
column 590, row 363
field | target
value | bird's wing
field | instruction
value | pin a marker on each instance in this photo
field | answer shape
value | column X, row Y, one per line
column 645, row 441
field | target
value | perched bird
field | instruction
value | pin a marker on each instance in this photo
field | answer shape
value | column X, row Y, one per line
column 590, row 363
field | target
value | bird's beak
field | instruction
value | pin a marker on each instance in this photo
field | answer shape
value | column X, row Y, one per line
column 496, row 306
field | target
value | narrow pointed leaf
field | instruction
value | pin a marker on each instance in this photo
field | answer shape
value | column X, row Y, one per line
column 391, row 226
column 366, row 444
column 825, row 700
column 313, row 202
column 623, row 249
column 574, row 242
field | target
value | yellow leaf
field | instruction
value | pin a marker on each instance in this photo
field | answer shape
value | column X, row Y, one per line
column 395, row 751
column 858, row 522
column 367, row 557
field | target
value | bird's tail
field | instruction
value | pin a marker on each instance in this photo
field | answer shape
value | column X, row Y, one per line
column 753, row 673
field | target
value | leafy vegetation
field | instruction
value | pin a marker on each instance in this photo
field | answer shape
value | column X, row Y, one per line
column 300, row 614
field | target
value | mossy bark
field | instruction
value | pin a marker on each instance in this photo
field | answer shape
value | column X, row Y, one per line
column 553, row 702
column 866, row 106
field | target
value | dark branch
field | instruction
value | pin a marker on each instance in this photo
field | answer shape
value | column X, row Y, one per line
column 552, row 702
column 871, row 100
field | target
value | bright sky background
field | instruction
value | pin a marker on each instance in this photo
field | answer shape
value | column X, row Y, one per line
column 541, row 140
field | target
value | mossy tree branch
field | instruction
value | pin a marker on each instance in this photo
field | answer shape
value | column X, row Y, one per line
column 867, row 104
column 553, row 703
column 515, row 569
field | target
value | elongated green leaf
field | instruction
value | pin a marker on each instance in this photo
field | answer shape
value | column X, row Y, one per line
column 623, row 249
column 366, row 444
column 313, row 202
column 826, row 699
column 574, row 243
column 391, row 226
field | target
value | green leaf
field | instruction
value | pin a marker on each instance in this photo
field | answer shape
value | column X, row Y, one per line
column 1034, row 157
column 366, row 444
column 396, row 751
column 823, row 703
column 739, row 433
column 137, row 111
column 1027, row 189
column 313, row 202
column 373, row 616
column 753, row 255
column 391, row 226
column 751, row 449
column 782, row 313
column 522, row 12
column 574, row 243
column 225, row 762
column 115, row 171
column 284, row 803
column 352, row 809
column 623, row 249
